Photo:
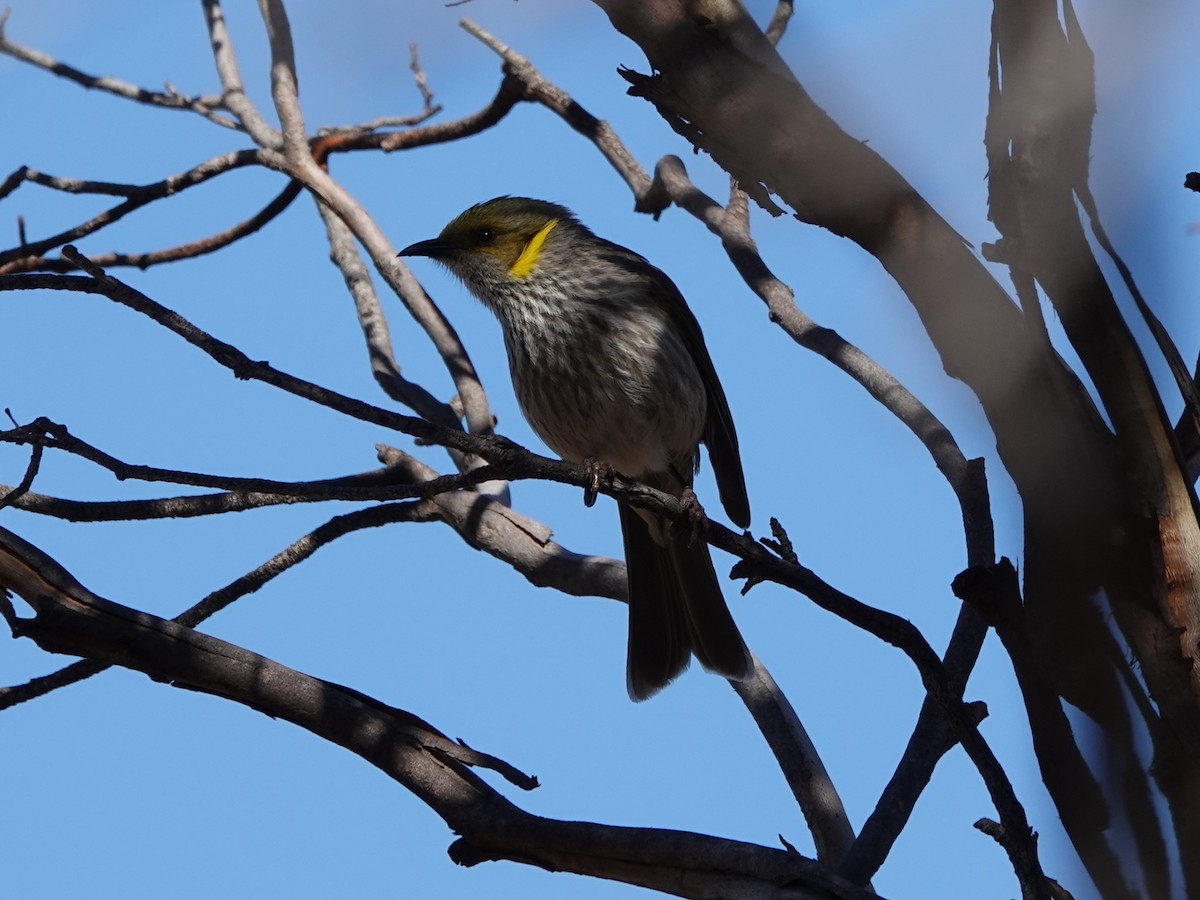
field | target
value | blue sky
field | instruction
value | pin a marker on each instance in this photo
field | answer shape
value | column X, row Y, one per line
column 157, row 792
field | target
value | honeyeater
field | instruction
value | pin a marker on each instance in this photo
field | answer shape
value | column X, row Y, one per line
column 610, row 368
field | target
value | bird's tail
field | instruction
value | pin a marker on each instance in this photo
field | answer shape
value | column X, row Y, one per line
column 675, row 609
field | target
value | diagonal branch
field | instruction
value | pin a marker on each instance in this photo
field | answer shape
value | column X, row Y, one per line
column 373, row 322
column 537, row 89
column 374, row 326
column 139, row 197
column 801, row 764
column 233, row 91
column 70, row 619
column 1020, row 842
column 170, row 99
column 27, row 257
column 190, row 250
column 297, row 161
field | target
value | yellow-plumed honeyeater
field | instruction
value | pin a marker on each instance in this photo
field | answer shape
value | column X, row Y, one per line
column 610, row 368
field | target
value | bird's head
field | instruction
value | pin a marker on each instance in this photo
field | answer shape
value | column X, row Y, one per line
column 499, row 242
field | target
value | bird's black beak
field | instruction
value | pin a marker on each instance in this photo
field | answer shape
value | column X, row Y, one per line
column 435, row 249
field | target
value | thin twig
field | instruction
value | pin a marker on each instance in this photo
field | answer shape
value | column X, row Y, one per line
column 429, row 108
column 419, row 78
column 138, row 198
column 10, row 497
column 43, row 433
column 538, row 89
column 371, row 319
column 364, row 137
column 298, row 162
column 190, row 250
column 170, row 99
column 293, row 555
column 344, row 254
column 1021, row 844
column 73, row 185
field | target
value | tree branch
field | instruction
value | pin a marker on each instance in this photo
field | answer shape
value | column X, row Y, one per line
column 170, row 99
column 233, row 92
column 138, row 197
column 190, row 250
column 70, row 619
column 800, row 763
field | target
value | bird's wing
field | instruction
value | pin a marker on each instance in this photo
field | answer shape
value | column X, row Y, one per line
column 719, row 433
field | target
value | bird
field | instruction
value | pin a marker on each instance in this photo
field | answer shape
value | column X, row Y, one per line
column 610, row 369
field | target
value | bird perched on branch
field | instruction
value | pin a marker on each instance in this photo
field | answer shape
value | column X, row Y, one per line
column 609, row 367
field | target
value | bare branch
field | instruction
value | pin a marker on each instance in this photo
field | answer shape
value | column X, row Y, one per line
column 994, row 592
column 69, row 185
column 285, row 90
column 731, row 224
column 138, row 197
column 931, row 739
column 44, row 433
column 26, row 257
column 371, row 319
column 225, row 354
column 294, row 554
column 507, row 459
column 538, row 90
column 341, row 140
column 524, row 544
column 374, row 125
column 373, row 322
column 180, row 507
column 801, row 764
column 233, row 92
column 427, row 112
column 892, row 629
column 298, row 162
column 170, row 99
column 12, row 495
column 190, row 250
column 420, row 80
column 70, row 619
column 517, row 540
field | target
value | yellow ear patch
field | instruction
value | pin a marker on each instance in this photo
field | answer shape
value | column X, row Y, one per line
column 525, row 263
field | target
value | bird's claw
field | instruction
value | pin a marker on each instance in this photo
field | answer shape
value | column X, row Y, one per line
column 597, row 473
column 696, row 515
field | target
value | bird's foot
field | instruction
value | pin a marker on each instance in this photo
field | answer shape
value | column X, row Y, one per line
column 598, row 473
column 696, row 515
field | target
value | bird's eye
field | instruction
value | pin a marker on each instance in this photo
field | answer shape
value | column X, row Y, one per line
column 484, row 236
